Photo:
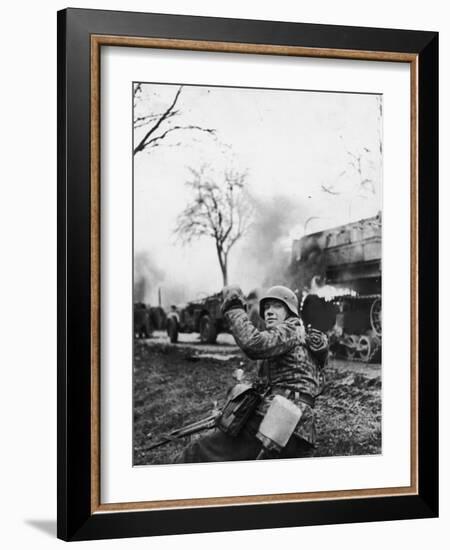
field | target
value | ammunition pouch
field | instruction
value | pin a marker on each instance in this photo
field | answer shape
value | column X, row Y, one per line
column 242, row 401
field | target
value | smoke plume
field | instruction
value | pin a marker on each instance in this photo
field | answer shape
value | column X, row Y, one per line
column 147, row 277
column 151, row 283
column 268, row 244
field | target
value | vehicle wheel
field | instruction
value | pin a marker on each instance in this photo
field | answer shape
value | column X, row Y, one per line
column 208, row 332
column 172, row 330
column 364, row 348
column 375, row 316
column 350, row 344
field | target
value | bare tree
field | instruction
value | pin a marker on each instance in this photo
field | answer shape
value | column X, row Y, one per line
column 220, row 211
column 157, row 125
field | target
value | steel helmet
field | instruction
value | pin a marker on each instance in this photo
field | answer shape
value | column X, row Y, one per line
column 282, row 294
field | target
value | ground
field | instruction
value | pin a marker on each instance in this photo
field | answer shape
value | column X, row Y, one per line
column 176, row 384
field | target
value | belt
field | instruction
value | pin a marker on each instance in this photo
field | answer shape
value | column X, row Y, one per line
column 300, row 396
column 289, row 392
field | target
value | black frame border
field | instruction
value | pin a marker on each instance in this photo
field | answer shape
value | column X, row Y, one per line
column 75, row 520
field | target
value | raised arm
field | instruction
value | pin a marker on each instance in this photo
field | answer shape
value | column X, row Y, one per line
column 261, row 344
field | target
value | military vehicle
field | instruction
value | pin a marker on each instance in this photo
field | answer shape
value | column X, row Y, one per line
column 205, row 317
column 202, row 316
column 343, row 265
column 141, row 321
column 146, row 319
column 357, row 333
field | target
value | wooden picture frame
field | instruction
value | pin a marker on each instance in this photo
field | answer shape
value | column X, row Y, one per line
column 81, row 35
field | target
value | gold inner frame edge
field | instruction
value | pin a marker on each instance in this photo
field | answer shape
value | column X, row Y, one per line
column 263, row 49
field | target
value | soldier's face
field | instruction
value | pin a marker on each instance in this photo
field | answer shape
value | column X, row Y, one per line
column 275, row 312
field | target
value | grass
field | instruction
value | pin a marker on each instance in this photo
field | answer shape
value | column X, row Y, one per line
column 173, row 387
column 348, row 415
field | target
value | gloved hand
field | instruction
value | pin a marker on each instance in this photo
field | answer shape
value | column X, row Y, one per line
column 233, row 298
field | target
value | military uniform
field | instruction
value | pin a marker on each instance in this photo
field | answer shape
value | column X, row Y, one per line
column 291, row 362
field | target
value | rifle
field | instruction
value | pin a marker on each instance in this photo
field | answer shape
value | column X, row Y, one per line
column 241, row 401
column 207, row 423
column 274, row 431
column 204, row 424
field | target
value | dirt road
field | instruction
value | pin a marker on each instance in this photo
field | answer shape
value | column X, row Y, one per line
column 226, row 349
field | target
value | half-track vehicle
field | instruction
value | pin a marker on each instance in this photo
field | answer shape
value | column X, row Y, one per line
column 357, row 333
column 347, row 262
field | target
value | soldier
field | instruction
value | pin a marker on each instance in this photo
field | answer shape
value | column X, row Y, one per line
column 290, row 359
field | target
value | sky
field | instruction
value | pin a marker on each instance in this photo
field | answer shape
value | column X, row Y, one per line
column 313, row 160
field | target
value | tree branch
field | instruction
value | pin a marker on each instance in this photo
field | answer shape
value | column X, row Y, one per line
column 155, row 141
column 142, row 144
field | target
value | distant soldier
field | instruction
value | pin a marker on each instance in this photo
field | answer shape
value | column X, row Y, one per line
column 291, row 360
column 173, row 323
column 141, row 321
column 173, row 313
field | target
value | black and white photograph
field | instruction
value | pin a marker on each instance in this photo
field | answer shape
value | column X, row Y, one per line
column 223, row 321
column 257, row 273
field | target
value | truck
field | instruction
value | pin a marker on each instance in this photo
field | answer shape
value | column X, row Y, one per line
column 202, row 316
column 205, row 317
column 146, row 319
